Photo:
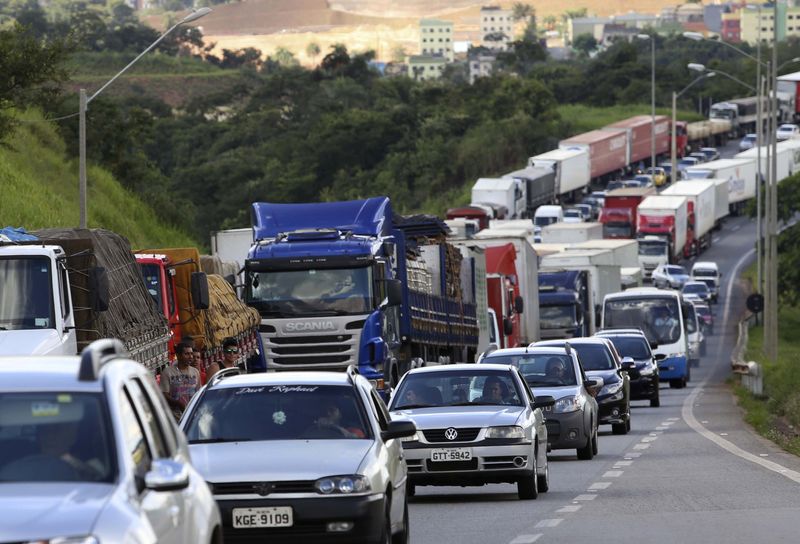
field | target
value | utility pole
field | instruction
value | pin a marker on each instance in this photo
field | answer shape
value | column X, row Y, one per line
column 772, row 307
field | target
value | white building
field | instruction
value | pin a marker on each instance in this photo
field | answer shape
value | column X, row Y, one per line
column 426, row 67
column 496, row 22
column 481, row 66
column 436, row 38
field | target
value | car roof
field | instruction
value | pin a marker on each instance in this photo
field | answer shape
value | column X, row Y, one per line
column 283, row 378
column 620, row 332
column 571, row 341
column 461, row 366
column 45, row 373
column 705, row 264
column 543, row 350
column 692, row 282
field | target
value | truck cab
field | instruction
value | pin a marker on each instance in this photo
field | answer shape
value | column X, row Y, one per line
column 547, row 215
column 653, row 252
column 564, row 304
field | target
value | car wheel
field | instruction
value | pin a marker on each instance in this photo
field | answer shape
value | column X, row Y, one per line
column 544, row 479
column 675, row 384
column 619, row 428
column 411, row 490
column 655, row 402
column 702, row 350
column 586, row 453
column 402, row 537
column 386, row 532
column 594, row 443
column 528, row 486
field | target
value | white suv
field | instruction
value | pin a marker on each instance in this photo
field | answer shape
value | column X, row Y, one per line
column 300, row 456
column 90, row 453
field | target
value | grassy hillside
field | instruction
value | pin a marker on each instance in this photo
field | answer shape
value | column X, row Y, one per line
column 39, row 181
column 582, row 118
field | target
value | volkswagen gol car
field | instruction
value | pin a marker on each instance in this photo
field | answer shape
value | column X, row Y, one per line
column 90, row 454
column 300, row 457
column 477, row 424
column 556, row 372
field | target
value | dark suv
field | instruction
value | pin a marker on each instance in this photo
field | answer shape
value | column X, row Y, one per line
column 644, row 378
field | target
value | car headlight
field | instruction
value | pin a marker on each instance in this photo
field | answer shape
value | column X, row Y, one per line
column 611, row 389
column 646, row 370
column 342, row 485
column 417, row 436
column 69, row 540
column 568, row 404
column 510, row 431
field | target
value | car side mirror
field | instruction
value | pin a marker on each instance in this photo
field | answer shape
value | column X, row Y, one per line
column 167, row 475
column 653, row 345
column 628, row 363
column 660, row 356
column 544, row 401
column 519, row 305
column 199, row 288
column 399, row 429
column 593, row 383
column 394, row 292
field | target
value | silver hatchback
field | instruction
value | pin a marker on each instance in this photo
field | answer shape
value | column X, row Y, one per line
column 90, row 453
column 477, row 424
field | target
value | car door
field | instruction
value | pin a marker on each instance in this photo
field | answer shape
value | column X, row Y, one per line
column 163, row 433
column 392, row 455
column 157, row 509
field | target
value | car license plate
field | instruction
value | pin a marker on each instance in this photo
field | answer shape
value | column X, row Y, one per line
column 254, row 518
column 460, row 454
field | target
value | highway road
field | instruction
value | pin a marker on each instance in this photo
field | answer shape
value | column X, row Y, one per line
column 689, row 471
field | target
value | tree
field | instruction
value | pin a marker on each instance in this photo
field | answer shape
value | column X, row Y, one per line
column 284, row 57
column 313, row 51
column 584, row 43
column 399, row 54
column 31, row 70
column 520, row 11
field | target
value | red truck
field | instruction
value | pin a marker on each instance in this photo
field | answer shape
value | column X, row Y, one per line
column 503, row 293
column 639, row 132
column 482, row 213
column 618, row 214
column 608, row 151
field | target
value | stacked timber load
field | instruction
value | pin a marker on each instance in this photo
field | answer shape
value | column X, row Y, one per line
column 132, row 315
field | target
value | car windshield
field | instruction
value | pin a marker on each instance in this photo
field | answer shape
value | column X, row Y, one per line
column 55, row 437
column 658, row 317
column 702, row 310
column 311, row 292
column 572, row 213
column 540, row 369
column 708, row 272
column 690, row 318
column 631, row 346
column 277, row 412
column 457, row 388
column 696, row 288
column 556, row 317
column 675, row 271
column 614, row 185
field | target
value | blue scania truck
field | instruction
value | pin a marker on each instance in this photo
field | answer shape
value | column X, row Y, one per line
column 341, row 283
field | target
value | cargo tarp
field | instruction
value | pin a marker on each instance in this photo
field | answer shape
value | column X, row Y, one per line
column 132, row 315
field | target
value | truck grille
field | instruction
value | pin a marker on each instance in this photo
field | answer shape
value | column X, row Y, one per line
column 308, row 350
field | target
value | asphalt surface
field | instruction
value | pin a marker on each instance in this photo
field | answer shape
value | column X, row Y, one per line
column 689, row 471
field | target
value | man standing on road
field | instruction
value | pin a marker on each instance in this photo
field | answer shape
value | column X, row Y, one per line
column 181, row 381
column 230, row 355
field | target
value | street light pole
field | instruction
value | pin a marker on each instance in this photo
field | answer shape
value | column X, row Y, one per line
column 675, row 96
column 84, row 106
column 652, row 39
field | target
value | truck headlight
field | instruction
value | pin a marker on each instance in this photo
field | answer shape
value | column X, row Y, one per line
column 510, row 431
column 342, row 485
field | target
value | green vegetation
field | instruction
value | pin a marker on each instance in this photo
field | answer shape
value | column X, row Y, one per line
column 84, row 64
column 777, row 415
column 39, row 177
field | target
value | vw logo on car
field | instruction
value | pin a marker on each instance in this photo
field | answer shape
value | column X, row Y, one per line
column 451, row 434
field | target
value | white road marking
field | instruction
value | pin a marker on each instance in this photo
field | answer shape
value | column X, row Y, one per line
column 526, row 539
column 548, row 523
column 613, row 474
column 570, row 508
column 585, row 497
column 657, row 433
column 599, row 485
column 641, row 446
column 623, row 464
column 673, row 419
column 704, row 421
column 737, row 227
column 723, row 434
column 688, row 413
column 715, row 239
column 633, row 454
column 763, row 455
column 662, row 428
column 647, row 439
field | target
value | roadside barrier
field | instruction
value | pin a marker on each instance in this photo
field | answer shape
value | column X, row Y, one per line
column 750, row 372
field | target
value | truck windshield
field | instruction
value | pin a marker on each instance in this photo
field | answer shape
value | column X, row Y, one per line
column 721, row 114
column 329, row 291
column 616, row 230
column 658, row 317
column 543, row 220
column 152, row 281
column 557, row 317
column 652, row 250
column 26, row 300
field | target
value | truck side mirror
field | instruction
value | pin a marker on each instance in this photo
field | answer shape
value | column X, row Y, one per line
column 508, row 326
column 98, row 289
column 519, row 305
column 394, row 292
column 230, row 278
column 199, row 287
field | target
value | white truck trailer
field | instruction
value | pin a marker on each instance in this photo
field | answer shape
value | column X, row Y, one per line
column 741, row 176
column 661, row 231
column 701, row 196
column 509, row 193
column 571, row 233
column 572, row 169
